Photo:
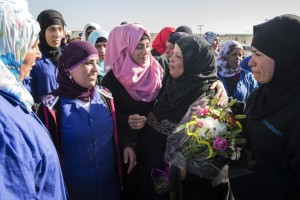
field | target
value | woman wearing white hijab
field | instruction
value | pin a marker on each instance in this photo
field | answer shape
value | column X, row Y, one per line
column 29, row 165
column 88, row 29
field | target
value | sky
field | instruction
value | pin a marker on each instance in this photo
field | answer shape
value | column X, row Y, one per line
column 220, row 16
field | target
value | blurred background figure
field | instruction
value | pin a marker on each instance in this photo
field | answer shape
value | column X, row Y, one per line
column 214, row 41
column 159, row 43
column 245, row 63
column 63, row 44
column 171, row 43
column 239, row 83
column 184, row 29
column 88, row 29
column 98, row 38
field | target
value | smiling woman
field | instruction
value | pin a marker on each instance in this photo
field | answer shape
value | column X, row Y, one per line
column 134, row 77
column 82, row 128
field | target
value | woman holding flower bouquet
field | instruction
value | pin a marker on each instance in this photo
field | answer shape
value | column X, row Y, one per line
column 272, row 123
column 135, row 79
column 192, row 70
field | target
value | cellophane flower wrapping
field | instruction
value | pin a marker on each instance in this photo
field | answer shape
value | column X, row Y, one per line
column 207, row 138
column 161, row 180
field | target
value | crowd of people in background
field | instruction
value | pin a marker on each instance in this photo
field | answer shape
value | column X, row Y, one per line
column 88, row 117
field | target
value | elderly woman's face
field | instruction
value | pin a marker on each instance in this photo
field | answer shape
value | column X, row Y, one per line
column 29, row 61
column 262, row 66
column 235, row 57
column 176, row 63
column 141, row 53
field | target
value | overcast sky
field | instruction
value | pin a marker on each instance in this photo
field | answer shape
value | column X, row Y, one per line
column 221, row 16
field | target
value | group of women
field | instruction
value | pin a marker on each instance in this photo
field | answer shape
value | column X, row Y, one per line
column 112, row 136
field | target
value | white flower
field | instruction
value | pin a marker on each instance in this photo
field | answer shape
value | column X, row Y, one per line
column 236, row 153
column 213, row 125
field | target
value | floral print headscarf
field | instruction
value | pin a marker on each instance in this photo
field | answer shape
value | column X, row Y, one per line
column 18, row 32
column 223, row 68
column 210, row 36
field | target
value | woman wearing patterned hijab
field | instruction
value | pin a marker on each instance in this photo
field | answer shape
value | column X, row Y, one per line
column 82, row 128
column 239, row 83
column 27, row 155
column 212, row 39
column 43, row 76
column 272, row 124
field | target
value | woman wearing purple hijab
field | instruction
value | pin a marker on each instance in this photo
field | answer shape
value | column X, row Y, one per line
column 82, row 126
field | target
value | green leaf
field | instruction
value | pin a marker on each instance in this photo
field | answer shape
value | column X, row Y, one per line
column 232, row 102
column 239, row 116
column 234, row 132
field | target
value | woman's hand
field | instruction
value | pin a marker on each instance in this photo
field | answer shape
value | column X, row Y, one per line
column 221, row 92
column 130, row 156
column 136, row 121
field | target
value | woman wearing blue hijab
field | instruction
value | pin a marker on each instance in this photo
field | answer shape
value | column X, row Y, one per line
column 98, row 38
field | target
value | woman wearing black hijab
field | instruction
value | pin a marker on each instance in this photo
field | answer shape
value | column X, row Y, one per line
column 184, row 29
column 192, row 71
column 43, row 76
column 272, row 123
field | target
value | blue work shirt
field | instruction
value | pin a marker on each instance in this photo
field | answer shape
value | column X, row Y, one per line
column 29, row 164
column 245, row 86
column 42, row 78
column 87, row 150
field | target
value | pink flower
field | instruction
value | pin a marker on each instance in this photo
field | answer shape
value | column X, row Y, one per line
column 220, row 144
column 200, row 123
column 202, row 112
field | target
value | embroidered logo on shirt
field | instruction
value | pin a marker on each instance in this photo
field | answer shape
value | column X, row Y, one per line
column 50, row 101
column 104, row 91
column 272, row 128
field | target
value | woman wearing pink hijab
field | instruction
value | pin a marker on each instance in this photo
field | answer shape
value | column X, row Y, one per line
column 134, row 78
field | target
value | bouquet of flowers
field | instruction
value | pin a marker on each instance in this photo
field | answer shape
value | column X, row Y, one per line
column 206, row 139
